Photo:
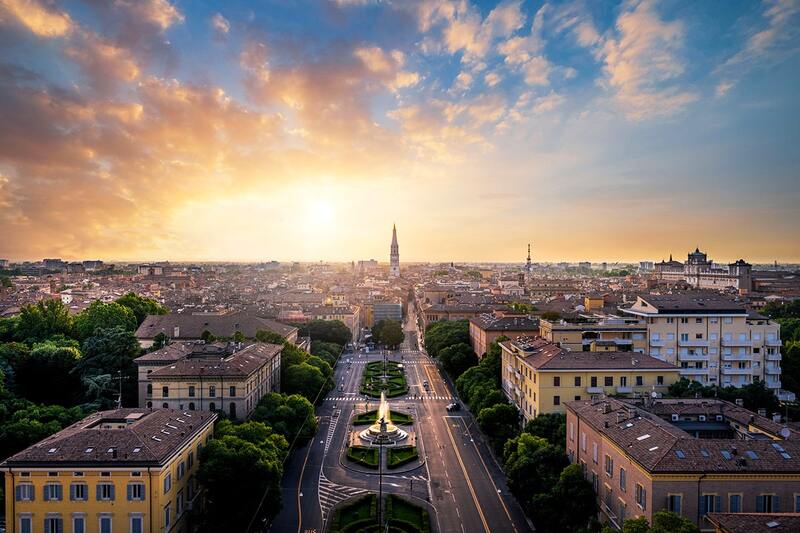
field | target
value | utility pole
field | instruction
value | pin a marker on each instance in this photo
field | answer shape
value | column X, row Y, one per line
column 380, row 483
column 119, row 398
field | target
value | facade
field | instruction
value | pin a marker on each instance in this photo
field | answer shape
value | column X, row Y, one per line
column 712, row 338
column 486, row 328
column 394, row 256
column 186, row 327
column 387, row 311
column 606, row 334
column 439, row 312
column 208, row 377
column 539, row 377
column 640, row 463
column 122, row 470
column 701, row 273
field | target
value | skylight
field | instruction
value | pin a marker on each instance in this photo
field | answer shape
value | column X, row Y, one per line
column 643, row 437
column 751, row 454
column 705, row 453
column 89, row 450
column 654, row 448
column 726, row 454
column 680, row 454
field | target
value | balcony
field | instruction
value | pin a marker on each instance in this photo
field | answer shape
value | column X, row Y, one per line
column 737, row 342
column 773, row 384
column 773, row 356
column 703, row 343
column 737, row 371
column 658, row 343
column 693, row 371
column 772, row 342
column 693, row 357
column 619, row 341
column 594, row 390
column 624, row 389
column 736, row 357
column 773, row 370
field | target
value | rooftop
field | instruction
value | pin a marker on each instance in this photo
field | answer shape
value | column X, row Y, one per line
column 225, row 325
column 240, row 363
column 755, row 522
column 687, row 303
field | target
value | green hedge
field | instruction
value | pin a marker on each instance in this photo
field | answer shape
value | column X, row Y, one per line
column 361, row 515
column 400, row 455
column 363, row 455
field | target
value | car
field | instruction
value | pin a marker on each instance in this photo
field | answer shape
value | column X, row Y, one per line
column 455, row 406
column 425, row 384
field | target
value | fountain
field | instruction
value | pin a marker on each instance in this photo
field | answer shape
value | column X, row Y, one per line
column 383, row 431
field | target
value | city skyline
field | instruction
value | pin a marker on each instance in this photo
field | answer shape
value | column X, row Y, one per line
column 151, row 130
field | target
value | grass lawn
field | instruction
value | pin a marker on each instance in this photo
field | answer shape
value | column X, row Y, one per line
column 406, row 516
column 400, row 455
column 373, row 385
column 361, row 515
column 368, row 418
column 363, row 455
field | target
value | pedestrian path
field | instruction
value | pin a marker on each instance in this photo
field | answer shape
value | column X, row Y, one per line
column 332, row 428
column 376, row 400
column 332, row 494
column 406, row 359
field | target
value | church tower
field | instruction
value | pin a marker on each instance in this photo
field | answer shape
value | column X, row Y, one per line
column 394, row 255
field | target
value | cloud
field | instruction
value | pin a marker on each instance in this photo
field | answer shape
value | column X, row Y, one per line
column 220, row 25
column 104, row 63
column 42, row 20
column 158, row 13
column 492, row 78
column 387, row 66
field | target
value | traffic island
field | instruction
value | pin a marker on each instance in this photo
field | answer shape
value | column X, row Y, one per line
column 363, row 515
column 383, row 377
column 401, row 455
column 364, row 455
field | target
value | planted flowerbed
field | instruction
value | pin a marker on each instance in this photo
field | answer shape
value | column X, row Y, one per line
column 372, row 383
column 363, row 455
column 370, row 417
column 361, row 516
column 401, row 455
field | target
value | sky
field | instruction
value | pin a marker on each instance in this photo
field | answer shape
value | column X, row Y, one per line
column 302, row 130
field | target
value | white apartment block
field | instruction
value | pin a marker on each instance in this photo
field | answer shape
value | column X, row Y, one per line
column 713, row 340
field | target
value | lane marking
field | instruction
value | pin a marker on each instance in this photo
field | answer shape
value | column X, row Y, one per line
column 469, row 483
column 299, row 483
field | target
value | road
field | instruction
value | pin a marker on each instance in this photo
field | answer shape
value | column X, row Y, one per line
column 459, row 480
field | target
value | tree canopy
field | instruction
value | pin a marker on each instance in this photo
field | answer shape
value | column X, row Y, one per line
column 43, row 319
column 457, row 358
column 327, row 331
column 141, row 306
column 287, row 415
column 100, row 315
column 388, row 332
column 110, row 351
column 445, row 333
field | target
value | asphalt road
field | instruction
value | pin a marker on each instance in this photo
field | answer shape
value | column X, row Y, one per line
column 459, row 480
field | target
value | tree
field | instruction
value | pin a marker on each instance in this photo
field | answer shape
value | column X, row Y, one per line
column 531, row 464
column 328, row 331
column 100, row 315
column 549, row 426
column 289, row 416
column 271, row 337
column 388, row 332
column 160, row 340
column 568, row 506
column 551, row 315
column 304, row 379
column 44, row 319
column 112, row 351
column 141, row 306
column 207, row 336
column 238, row 337
column 23, row 423
column 327, row 351
column 442, row 334
column 663, row 522
column 500, row 423
column 457, row 358
column 8, row 329
column 237, row 468
column 47, row 375
column 323, row 366
column 521, row 307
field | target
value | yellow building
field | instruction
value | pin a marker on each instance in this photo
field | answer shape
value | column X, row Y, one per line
column 607, row 334
column 538, row 376
column 127, row 470
column 714, row 339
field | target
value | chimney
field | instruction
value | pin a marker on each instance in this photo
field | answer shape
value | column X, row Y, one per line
column 740, row 402
column 762, row 412
column 606, row 408
column 620, row 417
column 776, row 417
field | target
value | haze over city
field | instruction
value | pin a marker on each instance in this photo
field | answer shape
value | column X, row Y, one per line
column 187, row 131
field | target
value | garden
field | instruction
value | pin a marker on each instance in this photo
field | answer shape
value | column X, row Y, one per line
column 361, row 516
column 387, row 377
column 400, row 455
column 363, row 455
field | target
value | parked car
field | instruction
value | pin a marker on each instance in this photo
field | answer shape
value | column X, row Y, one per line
column 455, row 406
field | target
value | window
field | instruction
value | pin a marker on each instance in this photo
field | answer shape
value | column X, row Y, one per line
column 594, row 452
column 212, row 391
column 698, row 320
column 728, row 320
column 684, row 336
column 232, row 390
column 105, row 524
column 149, row 389
column 670, row 320
column 167, row 483
column 52, row 524
column 167, row 516
column 622, row 480
column 641, row 497
column 25, row 525
column 212, row 406
column 768, row 503
column 78, row 524
column 577, row 397
column 556, row 381
column 135, row 492
column 609, row 381
column 571, row 431
column 78, row 492
column 191, row 406
column 136, row 524
column 674, row 503
column 105, row 492
column 583, row 441
column 577, row 381
column 165, row 392
column 52, row 492
column 735, row 503
column 556, row 400
column 609, row 466
column 639, row 381
column 191, row 391
column 181, row 470
column 797, row 503
column 25, row 492
column 709, row 503
column 179, row 503
column 623, row 381
column 593, row 381
column 659, row 380
column 190, row 459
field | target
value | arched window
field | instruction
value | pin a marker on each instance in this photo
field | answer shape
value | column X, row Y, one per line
column 233, row 410
column 212, row 406
column 149, row 389
column 191, row 406
column 165, row 405
column 149, row 405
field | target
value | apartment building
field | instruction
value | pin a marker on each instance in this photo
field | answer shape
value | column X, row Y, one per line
column 208, row 377
column 538, row 376
column 733, row 461
column 123, row 470
column 619, row 334
column 486, row 328
column 714, row 340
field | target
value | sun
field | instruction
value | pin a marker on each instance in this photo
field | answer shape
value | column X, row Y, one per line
column 321, row 213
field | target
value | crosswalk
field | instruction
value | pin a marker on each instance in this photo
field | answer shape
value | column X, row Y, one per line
column 405, row 360
column 332, row 494
column 332, row 428
column 376, row 400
